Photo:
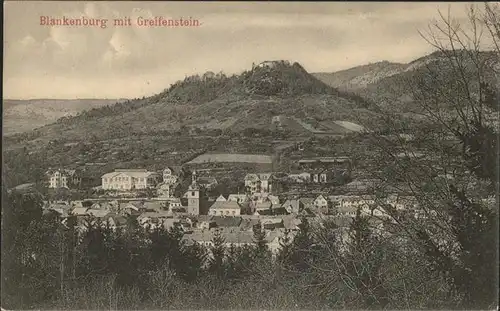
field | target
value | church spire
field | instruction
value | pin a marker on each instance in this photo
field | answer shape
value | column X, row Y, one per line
column 194, row 183
column 193, row 177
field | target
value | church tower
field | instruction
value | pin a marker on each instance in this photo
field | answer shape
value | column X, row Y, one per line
column 193, row 196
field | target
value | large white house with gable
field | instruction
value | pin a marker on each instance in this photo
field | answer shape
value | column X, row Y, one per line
column 129, row 179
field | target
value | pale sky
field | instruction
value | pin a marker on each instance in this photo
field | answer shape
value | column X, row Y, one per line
column 127, row 62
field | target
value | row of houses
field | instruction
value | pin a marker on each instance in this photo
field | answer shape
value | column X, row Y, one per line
column 237, row 230
column 234, row 238
column 266, row 182
column 340, row 205
column 131, row 179
column 120, row 179
column 313, row 170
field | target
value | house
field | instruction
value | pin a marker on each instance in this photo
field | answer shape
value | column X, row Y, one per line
column 129, row 179
column 312, row 175
column 273, row 199
column 256, row 183
column 300, row 177
column 252, row 182
column 225, row 208
column 321, row 176
column 321, row 204
column 347, row 205
column 373, row 211
column 163, row 190
column 247, row 224
column 237, row 238
column 99, row 213
column 362, row 185
column 63, row 178
column 80, row 211
column 220, row 198
column 157, row 214
column 169, row 181
column 292, row 206
column 231, row 237
column 274, row 211
column 153, row 206
column 265, row 182
column 291, row 222
column 131, row 207
column 272, row 223
column 246, row 209
column 116, row 221
column 276, row 238
column 259, row 197
column 165, row 223
column 100, row 205
column 77, row 203
column 206, row 224
column 203, row 238
column 358, row 201
column 260, row 205
column 400, row 202
column 345, row 211
column 168, row 176
column 174, row 203
column 239, row 198
column 306, row 203
column 227, row 222
column 156, row 219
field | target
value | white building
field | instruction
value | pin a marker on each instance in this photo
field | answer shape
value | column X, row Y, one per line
column 168, row 184
column 129, row 179
column 258, row 182
column 63, row 178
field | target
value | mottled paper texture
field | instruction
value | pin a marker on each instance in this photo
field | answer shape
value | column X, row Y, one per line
column 250, row 155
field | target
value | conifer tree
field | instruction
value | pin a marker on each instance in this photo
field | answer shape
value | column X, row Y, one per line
column 195, row 257
column 218, row 253
column 364, row 261
column 285, row 248
column 159, row 246
column 259, row 236
column 301, row 254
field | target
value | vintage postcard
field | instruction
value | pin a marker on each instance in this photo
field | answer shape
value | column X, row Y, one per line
column 250, row 155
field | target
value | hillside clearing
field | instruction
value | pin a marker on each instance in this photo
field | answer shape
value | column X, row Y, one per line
column 232, row 157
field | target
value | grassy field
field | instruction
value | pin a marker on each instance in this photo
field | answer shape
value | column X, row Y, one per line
column 237, row 157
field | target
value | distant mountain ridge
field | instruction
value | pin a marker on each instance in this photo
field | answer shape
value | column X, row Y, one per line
column 24, row 115
column 388, row 84
column 219, row 102
column 360, row 76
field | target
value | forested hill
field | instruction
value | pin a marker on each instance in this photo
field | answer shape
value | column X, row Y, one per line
column 390, row 85
column 216, row 101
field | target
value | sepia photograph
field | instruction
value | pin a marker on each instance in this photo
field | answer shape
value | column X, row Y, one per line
column 252, row 155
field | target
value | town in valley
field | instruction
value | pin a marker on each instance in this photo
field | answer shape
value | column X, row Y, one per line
column 314, row 156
